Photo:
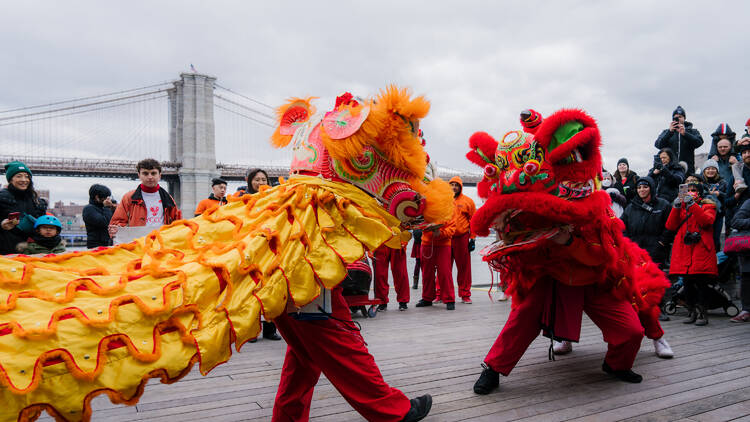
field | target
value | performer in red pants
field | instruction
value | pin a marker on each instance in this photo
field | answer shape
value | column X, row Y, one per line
column 436, row 257
column 335, row 347
column 463, row 241
column 396, row 258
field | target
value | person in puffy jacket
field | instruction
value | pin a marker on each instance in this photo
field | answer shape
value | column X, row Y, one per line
column 19, row 203
column 718, row 188
column 624, row 179
column 46, row 238
column 741, row 222
column 96, row 216
column 645, row 221
column 667, row 174
column 693, row 252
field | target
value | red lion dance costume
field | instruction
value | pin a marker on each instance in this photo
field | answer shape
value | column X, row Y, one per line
column 81, row 324
column 560, row 249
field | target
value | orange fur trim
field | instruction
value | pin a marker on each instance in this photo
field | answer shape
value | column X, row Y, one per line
column 292, row 112
column 391, row 127
column 438, row 196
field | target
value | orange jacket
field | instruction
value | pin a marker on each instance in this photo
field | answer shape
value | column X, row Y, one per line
column 465, row 209
column 442, row 236
column 208, row 203
column 131, row 211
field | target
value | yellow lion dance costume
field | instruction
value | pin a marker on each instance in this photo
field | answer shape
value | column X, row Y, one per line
column 80, row 324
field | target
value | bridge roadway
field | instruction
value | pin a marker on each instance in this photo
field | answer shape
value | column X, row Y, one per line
column 125, row 169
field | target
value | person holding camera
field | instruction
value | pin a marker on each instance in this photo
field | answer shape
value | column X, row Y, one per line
column 693, row 252
column 681, row 138
column 97, row 214
column 667, row 173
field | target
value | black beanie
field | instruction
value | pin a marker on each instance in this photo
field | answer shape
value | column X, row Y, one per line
column 646, row 180
column 679, row 110
column 623, row 160
column 99, row 190
column 218, row 181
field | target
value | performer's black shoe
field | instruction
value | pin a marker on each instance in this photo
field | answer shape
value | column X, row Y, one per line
column 626, row 375
column 420, row 407
column 402, row 306
column 422, row 303
column 450, row 306
column 269, row 331
column 382, row 307
column 488, row 381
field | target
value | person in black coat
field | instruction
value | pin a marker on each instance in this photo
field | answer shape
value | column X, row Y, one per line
column 624, row 179
column 645, row 219
column 681, row 138
column 96, row 216
column 667, row 174
column 19, row 203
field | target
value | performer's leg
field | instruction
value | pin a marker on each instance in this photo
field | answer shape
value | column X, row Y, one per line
column 382, row 259
column 429, row 258
column 651, row 325
column 521, row 328
column 298, row 378
column 400, row 275
column 620, row 327
column 460, row 254
column 340, row 353
column 445, row 273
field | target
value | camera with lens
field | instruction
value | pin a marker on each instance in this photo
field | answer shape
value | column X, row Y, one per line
column 657, row 163
column 691, row 238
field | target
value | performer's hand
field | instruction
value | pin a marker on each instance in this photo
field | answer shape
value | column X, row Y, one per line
column 472, row 245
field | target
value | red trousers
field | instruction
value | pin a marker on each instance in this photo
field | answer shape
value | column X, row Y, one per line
column 616, row 318
column 437, row 258
column 397, row 260
column 332, row 347
column 460, row 255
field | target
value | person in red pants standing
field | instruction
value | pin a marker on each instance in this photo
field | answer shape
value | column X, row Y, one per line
column 462, row 242
column 396, row 258
column 436, row 257
column 335, row 347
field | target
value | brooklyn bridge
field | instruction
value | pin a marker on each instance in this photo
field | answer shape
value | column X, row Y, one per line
column 196, row 127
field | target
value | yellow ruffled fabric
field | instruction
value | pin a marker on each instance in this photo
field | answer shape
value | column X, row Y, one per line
column 102, row 322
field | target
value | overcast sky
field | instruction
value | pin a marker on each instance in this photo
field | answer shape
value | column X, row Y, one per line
column 627, row 63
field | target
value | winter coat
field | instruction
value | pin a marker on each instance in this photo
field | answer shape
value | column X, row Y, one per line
column 668, row 180
column 645, row 224
column 723, row 188
column 14, row 200
column 741, row 222
column 33, row 248
column 698, row 258
column 96, row 217
column 131, row 211
column 725, row 171
column 627, row 189
column 684, row 146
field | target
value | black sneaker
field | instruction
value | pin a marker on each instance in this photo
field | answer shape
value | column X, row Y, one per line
column 402, row 306
column 382, row 307
column 422, row 303
column 626, row 375
column 488, row 381
column 269, row 331
column 420, row 407
column 450, row 306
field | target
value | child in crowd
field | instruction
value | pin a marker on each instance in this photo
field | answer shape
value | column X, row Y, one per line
column 45, row 239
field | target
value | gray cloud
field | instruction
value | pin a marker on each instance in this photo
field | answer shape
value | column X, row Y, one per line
column 628, row 63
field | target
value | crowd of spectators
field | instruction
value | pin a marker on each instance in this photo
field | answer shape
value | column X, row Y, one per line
column 679, row 215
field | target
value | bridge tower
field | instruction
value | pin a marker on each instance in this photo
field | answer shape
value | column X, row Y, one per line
column 192, row 138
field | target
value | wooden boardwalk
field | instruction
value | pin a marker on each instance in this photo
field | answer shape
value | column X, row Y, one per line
column 431, row 350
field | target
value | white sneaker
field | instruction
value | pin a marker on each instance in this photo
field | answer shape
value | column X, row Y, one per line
column 562, row 347
column 662, row 349
column 502, row 297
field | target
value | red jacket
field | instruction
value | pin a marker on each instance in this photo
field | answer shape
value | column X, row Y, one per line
column 698, row 258
column 131, row 211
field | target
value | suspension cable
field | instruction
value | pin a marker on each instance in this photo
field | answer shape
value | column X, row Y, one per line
column 246, row 116
column 84, row 98
column 245, row 97
column 245, row 107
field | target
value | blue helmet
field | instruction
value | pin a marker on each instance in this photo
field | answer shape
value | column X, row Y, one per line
column 48, row 220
